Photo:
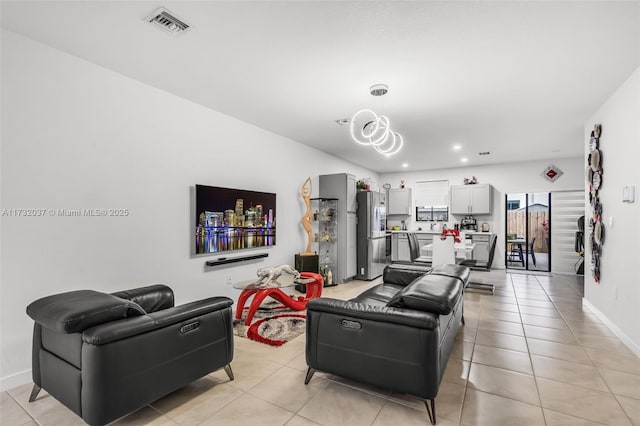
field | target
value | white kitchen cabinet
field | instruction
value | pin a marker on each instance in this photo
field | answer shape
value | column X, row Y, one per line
column 352, row 204
column 399, row 201
column 471, row 199
column 400, row 248
column 482, row 244
column 459, row 200
column 400, row 251
column 423, row 240
column 352, row 246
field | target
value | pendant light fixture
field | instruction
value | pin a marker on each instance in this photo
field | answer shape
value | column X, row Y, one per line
column 369, row 129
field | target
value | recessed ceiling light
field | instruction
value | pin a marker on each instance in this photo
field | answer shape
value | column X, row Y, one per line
column 464, row 159
column 457, row 147
column 405, row 165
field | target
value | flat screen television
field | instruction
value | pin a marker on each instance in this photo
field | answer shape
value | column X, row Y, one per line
column 233, row 219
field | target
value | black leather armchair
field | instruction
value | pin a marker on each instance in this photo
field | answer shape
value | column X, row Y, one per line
column 107, row 355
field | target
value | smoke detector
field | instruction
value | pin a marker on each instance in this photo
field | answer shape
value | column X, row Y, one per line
column 167, row 21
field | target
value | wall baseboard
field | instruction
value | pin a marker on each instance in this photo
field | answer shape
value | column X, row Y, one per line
column 635, row 348
column 15, row 380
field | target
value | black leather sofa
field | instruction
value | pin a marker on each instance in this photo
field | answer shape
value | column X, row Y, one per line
column 397, row 335
column 107, row 355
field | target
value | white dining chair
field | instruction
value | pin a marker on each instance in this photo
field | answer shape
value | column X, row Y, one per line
column 462, row 256
column 443, row 251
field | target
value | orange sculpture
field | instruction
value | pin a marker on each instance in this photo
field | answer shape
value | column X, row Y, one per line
column 306, row 219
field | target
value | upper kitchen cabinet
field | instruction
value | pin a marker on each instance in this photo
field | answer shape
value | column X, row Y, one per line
column 399, row 201
column 341, row 186
column 471, row 199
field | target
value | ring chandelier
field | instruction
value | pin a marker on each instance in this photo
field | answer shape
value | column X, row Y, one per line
column 376, row 131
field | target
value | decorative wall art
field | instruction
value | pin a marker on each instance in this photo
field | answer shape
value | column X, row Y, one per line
column 595, row 231
column 552, row 173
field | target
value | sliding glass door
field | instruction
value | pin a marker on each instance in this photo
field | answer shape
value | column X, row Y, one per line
column 528, row 230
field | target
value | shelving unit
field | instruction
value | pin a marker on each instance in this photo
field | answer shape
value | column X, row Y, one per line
column 325, row 237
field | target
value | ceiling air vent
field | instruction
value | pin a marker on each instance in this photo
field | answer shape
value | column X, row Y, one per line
column 167, row 21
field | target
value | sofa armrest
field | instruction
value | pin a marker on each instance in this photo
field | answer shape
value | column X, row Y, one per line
column 75, row 311
column 403, row 274
column 152, row 298
column 431, row 293
column 459, row 272
column 407, row 317
column 190, row 310
column 118, row 330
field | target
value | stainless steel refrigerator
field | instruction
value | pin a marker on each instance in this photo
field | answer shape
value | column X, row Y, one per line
column 372, row 223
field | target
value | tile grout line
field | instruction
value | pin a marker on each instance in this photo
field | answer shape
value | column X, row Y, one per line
column 275, row 405
column 386, row 401
column 526, row 342
column 218, row 410
column 582, row 347
column 493, row 366
column 529, row 353
column 23, row 409
column 466, row 382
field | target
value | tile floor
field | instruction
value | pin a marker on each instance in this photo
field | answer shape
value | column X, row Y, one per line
column 528, row 355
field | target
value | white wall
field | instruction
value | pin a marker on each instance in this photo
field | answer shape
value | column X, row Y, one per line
column 75, row 135
column 505, row 178
column 617, row 296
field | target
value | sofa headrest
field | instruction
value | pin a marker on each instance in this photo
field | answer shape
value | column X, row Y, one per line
column 431, row 293
column 403, row 274
column 455, row 271
column 152, row 298
column 75, row 311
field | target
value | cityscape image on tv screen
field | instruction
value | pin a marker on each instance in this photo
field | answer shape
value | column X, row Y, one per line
column 232, row 219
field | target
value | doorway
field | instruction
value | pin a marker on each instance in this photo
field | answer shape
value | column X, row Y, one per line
column 528, row 231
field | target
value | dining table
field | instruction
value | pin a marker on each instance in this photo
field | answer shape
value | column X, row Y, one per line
column 512, row 242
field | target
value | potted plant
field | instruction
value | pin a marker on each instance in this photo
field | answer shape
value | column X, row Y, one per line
column 362, row 186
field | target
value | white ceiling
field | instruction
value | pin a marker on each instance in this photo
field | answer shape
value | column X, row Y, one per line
column 517, row 79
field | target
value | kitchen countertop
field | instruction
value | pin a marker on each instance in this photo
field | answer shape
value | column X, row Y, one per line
column 438, row 232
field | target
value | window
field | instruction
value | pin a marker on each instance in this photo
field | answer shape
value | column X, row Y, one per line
column 432, row 213
column 432, row 200
column 513, row 204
